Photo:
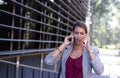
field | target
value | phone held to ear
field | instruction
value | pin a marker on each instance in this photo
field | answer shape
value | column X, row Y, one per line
column 85, row 41
column 71, row 40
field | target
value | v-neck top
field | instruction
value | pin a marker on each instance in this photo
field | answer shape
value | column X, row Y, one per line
column 74, row 67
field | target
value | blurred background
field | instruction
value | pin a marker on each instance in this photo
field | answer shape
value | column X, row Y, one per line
column 104, row 20
column 30, row 29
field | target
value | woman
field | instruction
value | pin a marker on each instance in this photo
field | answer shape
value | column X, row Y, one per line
column 78, row 57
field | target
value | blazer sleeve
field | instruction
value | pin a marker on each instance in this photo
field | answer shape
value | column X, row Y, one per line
column 50, row 59
column 97, row 65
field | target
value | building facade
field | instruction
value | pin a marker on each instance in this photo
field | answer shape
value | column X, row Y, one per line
column 29, row 29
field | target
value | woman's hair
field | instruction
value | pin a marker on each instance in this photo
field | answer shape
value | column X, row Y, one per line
column 80, row 24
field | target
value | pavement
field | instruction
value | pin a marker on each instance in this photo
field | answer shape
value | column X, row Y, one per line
column 111, row 61
column 100, row 76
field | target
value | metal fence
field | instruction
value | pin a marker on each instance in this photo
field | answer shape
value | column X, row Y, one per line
column 29, row 29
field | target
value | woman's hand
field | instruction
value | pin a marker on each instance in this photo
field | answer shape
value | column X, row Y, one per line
column 68, row 39
column 88, row 42
column 59, row 49
column 91, row 53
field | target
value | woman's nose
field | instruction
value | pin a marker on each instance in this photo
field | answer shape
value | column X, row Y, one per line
column 79, row 35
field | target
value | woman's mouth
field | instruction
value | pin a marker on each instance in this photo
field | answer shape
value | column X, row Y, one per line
column 78, row 40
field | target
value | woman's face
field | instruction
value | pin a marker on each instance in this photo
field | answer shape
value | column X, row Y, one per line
column 79, row 35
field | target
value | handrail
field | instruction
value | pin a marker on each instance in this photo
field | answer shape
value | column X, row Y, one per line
column 28, row 66
column 18, row 52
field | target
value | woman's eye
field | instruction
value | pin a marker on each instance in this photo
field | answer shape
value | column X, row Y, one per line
column 82, row 33
column 75, row 33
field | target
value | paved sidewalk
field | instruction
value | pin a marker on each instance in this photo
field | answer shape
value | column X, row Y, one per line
column 97, row 76
column 110, row 59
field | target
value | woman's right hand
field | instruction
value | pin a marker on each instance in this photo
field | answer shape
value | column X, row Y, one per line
column 68, row 39
column 66, row 42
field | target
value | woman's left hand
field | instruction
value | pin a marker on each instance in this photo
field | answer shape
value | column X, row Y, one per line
column 88, row 42
column 92, row 55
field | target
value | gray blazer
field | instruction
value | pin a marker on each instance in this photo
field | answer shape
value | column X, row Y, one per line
column 87, row 63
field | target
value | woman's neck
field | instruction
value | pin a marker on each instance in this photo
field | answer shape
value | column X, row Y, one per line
column 77, row 46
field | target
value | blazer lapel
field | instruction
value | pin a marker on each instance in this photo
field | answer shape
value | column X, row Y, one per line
column 85, row 63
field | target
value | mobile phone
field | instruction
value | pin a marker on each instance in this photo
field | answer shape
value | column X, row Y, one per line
column 71, row 40
column 85, row 41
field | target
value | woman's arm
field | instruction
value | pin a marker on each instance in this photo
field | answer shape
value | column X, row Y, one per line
column 58, row 50
column 54, row 56
column 97, row 65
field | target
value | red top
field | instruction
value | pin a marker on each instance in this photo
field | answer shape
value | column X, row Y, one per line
column 74, row 68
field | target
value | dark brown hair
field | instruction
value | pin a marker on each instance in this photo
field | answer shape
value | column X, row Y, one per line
column 80, row 24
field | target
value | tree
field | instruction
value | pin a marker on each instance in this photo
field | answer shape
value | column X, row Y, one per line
column 104, row 22
column 98, row 11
